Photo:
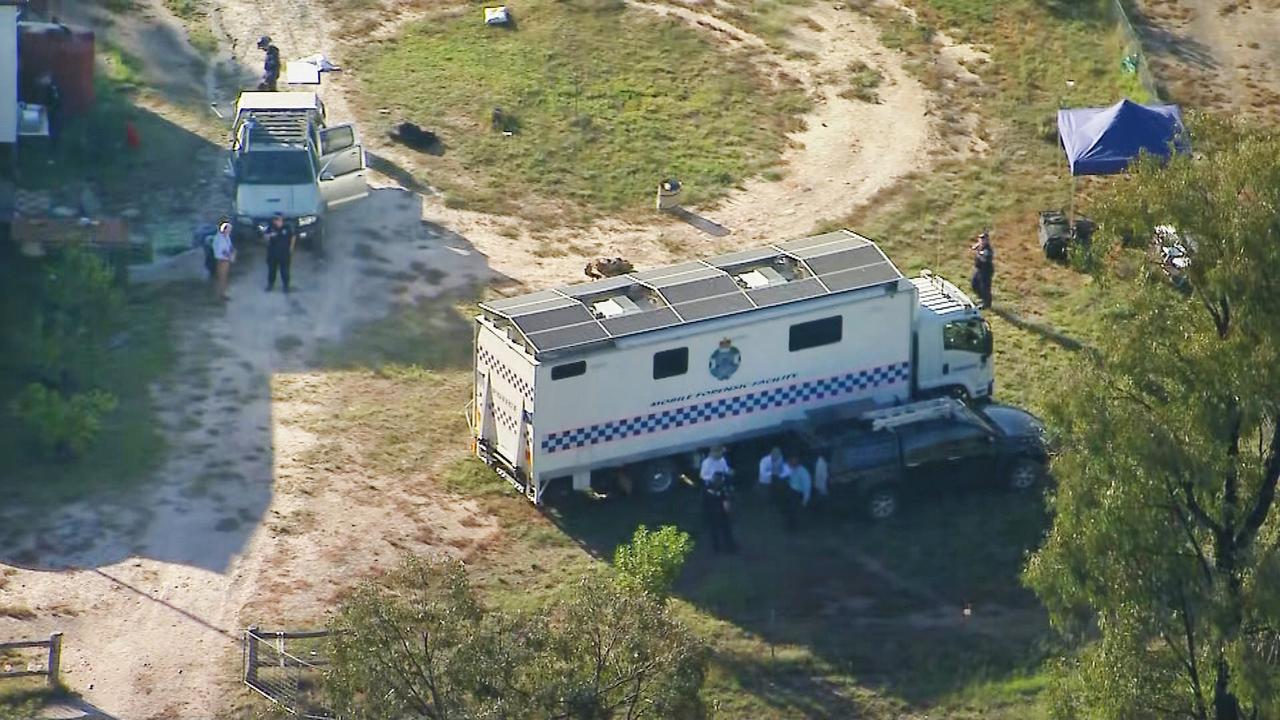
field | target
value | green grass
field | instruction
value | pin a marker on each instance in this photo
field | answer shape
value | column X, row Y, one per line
column 1035, row 48
column 602, row 102
column 863, row 81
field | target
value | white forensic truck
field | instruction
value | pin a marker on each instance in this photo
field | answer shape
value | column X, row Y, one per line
column 635, row 374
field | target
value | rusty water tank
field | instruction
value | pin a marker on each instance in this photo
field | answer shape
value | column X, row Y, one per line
column 64, row 52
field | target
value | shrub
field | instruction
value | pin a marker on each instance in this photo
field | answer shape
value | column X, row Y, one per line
column 62, row 426
column 652, row 560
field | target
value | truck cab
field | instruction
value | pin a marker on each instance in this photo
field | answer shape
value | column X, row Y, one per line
column 952, row 343
column 285, row 160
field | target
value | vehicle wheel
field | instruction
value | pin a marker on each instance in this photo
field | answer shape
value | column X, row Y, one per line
column 657, row 478
column 882, row 503
column 1024, row 475
column 958, row 393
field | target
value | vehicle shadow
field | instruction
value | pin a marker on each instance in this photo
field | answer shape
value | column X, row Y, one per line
column 710, row 227
column 883, row 603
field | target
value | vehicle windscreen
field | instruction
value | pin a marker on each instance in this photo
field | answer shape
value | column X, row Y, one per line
column 275, row 168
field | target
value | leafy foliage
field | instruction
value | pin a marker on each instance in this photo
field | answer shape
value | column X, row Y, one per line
column 61, row 339
column 652, row 561
column 1162, row 554
column 58, row 336
column 420, row 644
column 63, row 426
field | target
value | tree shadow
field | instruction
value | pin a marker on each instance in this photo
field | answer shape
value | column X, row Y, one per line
column 1164, row 43
column 881, row 603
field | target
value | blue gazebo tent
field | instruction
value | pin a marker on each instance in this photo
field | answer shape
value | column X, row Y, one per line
column 1102, row 141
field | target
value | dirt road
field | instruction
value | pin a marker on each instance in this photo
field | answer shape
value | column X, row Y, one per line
column 250, row 517
column 1217, row 55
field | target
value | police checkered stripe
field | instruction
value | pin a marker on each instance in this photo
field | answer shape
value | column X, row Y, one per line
column 505, row 417
column 794, row 394
column 487, row 358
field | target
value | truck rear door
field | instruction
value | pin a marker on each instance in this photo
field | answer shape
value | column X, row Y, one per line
column 342, row 166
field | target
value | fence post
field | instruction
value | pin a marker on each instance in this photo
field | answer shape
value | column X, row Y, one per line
column 55, row 658
column 251, row 655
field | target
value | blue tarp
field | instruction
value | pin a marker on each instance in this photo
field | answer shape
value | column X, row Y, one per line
column 1102, row 141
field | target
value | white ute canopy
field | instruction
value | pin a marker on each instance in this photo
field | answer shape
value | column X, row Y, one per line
column 574, row 317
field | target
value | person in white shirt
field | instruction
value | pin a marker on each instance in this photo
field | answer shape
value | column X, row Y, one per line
column 773, row 473
column 224, row 253
column 801, row 486
column 715, row 464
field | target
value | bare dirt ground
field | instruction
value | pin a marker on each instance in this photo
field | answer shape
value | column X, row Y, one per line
column 251, row 518
column 1217, row 55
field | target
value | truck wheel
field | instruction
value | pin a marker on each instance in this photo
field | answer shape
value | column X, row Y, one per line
column 882, row 503
column 1024, row 475
column 657, row 478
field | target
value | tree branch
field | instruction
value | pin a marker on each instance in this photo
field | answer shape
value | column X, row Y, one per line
column 1266, row 494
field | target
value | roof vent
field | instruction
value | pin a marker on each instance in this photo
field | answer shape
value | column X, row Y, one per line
column 615, row 306
column 761, row 277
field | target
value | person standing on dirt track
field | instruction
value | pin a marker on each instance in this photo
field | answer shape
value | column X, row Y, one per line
column 224, row 253
column 280, row 241
column 270, row 66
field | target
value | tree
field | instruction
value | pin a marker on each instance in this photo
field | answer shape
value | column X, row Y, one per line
column 652, row 561
column 420, row 644
column 1163, row 548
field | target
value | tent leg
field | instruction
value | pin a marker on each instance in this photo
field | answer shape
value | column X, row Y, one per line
column 1071, row 207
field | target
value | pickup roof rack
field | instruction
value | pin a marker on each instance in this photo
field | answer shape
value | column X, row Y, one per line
column 891, row 417
column 276, row 127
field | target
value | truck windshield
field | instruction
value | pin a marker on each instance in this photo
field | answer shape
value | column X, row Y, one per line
column 275, row 168
column 967, row 335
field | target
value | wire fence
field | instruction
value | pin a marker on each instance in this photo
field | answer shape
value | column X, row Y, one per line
column 1135, row 58
column 285, row 667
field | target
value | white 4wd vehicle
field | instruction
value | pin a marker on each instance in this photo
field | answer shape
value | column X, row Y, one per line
column 284, row 160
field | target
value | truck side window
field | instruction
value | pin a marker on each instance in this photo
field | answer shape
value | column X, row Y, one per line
column 568, row 370
column 670, row 363
column 964, row 335
column 816, row 333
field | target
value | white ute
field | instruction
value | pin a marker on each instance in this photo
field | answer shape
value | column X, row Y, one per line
column 284, row 160
column 634, row 374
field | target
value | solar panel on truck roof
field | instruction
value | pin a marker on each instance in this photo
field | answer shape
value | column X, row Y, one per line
column 579, row 315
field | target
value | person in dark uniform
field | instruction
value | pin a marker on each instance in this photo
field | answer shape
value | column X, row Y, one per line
column 984, row 268
column 53, row 107
column 716, row 514
column 280, row 241
column 270, row 66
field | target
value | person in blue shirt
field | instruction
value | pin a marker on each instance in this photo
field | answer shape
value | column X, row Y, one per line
column 800, row 482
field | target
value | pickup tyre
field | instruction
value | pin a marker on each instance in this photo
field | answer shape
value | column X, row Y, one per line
column 881, row 502
column 1025, row 474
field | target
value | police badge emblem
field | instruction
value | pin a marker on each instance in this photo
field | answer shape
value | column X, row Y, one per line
column 724, row 361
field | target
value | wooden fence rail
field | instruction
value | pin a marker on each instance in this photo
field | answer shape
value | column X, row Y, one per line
column 54, row 659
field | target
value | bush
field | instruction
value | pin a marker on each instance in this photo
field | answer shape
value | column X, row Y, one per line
column 652, row 561
column 62, row 426
column 60, row 340
column 420, row 643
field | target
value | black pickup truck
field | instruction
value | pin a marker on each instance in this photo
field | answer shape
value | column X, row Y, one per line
column 995, row 445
